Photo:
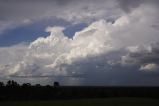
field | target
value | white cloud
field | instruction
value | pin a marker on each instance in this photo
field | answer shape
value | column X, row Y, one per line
column 57, row 51
column 149, row 67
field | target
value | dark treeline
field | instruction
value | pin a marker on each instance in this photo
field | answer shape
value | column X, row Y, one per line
column 14, row 91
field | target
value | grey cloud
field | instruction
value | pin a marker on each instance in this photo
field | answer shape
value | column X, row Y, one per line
column 8, row 55
column 18, row 11
column 15, row 9
column 144, row 56
column 22, row 9
column 105, row 74
column 128, row 5
column 95, row 70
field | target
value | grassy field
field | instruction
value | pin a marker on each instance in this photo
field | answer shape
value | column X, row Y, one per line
column 88, row 102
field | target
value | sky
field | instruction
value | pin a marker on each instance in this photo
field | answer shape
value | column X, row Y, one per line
column 80, row 42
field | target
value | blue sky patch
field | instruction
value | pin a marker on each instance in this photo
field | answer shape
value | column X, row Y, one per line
column 29, row 33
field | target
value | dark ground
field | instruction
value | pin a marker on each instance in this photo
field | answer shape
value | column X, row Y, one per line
column 87, row 102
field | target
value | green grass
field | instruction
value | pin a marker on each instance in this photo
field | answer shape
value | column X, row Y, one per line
column 87, row 102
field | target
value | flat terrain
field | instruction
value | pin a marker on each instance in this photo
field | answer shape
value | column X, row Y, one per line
column 88, row 102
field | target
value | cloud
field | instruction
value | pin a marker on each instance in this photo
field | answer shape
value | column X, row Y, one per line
column 58, row 55
column 105, row 52
column 128, row 5
column 86, row 11
column 9, row 57
column 149, row 67
column 58, row 51
column 146, row 57
column 89, row 10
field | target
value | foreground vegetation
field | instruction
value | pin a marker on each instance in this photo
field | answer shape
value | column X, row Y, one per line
column 87, row 102
column 12, row 91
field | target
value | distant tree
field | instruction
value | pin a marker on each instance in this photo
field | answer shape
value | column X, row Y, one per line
column 26, row 85
column 56, row 84
column 8, row 83
column 37, row 85
column 12, row 83
column 48, row 86
column 1, row 84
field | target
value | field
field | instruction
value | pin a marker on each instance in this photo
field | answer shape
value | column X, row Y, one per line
column 88, row 102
